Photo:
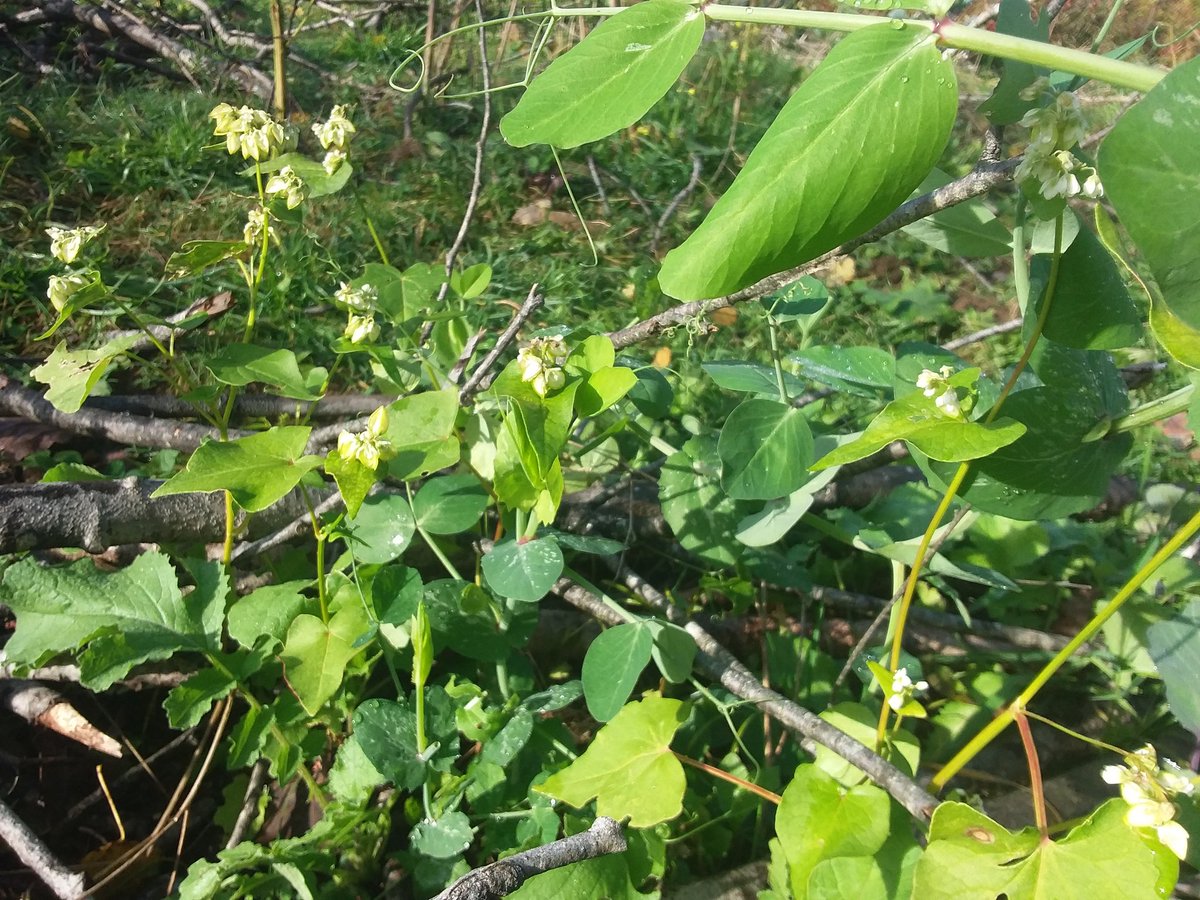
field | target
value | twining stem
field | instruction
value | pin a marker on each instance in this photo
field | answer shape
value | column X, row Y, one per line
column 910, row 587
column 745, row 785
column 1035, row 775
column 1154, row 410
column 1007, row 715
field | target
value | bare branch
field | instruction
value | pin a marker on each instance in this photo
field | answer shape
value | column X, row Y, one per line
column 683, row 194
column 37, row 857
column 41, row 705
column 481, row 379
column 503, row 877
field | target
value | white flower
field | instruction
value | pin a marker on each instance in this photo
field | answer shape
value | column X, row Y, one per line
column 936, row 386
column 256, row 220
column 1148, row 788
column 369, row 447
column 947, row 402
column 1092, row 188
column 288, row 183
column 63, row 287
column 356, row 299
column 65, row 243
column 541, row 364
column 335, row 132
column 251, row 132
column 904, row 689
column 360, row 329
column 1059, row 126
column 333, row 161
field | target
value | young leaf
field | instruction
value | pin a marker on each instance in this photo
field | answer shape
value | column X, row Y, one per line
column 354, row 480
column 123, row 618
column 471, row 282
column 674, row 652
column 852, row 143
column 315, row 654
column 612, row 665
column 765, row 449
column 702, row 516
column 242, row 364
column 629, row 768
column 1150, row 165
column 258, row 469
column 610, row 79
column 382, row 529
column 312, row 173
column 817, row 821
column 969, row 856
column 196, row 256
column 523, row 571
column 450, row 504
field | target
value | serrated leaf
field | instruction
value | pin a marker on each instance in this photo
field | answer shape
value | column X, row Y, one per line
column 188, row 702
column 610, row 79
column 611, row 667
column 123, row 618
column 257, row 470
column 852, row 143
column 765, row 449
column 241, row 364
column 629, row 768
column 353, row 779
column 315, row 654
column 816, row 821
column 1150, row 166
column 523, row 571
column 971, row 857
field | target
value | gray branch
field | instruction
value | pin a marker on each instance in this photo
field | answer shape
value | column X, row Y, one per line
column 503, row 877
column 37, row 857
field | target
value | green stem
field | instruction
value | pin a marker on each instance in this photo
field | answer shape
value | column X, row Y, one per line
column 428, row 539
column 773, row 334
column 1007, row 715
column 608, row 601
column 1154, row 410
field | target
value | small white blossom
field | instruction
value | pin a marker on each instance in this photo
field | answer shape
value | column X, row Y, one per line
column 63, row 287
column 904, row 689
column 1148, row 788
column 65, row 243
column 360, row 329
column 369, row 447
column 256, row 220
column 1059, row 126
column 947, row 402
column 251, row 132
column 936, row 385
column 357, row 299
column 335, row 132
column 541, row 364
column 333, row 161
column 287, row 182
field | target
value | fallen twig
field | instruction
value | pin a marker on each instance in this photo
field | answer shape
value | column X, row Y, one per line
column 40, row 705
column 37, row 857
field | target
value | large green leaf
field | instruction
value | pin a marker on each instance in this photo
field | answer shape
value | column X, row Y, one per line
column 1174, row 645
column 266, row 612
column 1091, row 308
column 421, row 429
column 386, row 730
column 852, row 143
column 450, row 504
column 1150, row 165
column 700, row 513
column 750, row 377
column 818, row 821
column 122, row 618
column 72, row 375
column 864, row 371
column 612, row 665
column 470, row 628
column 382, row 529
column 610, row 79
column 257, row 470
column 315, row 653
column 629, row 768
column 971, row 857
column 765, row 449
column 242, row 364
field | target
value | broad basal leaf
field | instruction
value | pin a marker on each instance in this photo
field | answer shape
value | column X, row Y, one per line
column 629, row 767
column 122, row 618
column 971, row 857
column 610, row 79
column 851, row 144
column 1150, row 166
column 258, row 470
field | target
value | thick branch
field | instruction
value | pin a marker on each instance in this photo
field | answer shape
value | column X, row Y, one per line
column 503, row 877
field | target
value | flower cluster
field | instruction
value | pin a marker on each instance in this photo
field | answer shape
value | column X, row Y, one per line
column 1148, row 788
column 541, row 364
column 904, row 689
column 1048, row 161
column 256, row 220
column 65, row 243
column 361, row 329
column 359, row 302
column 369, row 446
column 251, row 132
column 334, row 134
column 289, row 184
column 936, row 385
column 63, row 287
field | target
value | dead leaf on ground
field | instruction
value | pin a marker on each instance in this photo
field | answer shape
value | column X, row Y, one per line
column 724, row 317
column 20, row 437
column 532, row 213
